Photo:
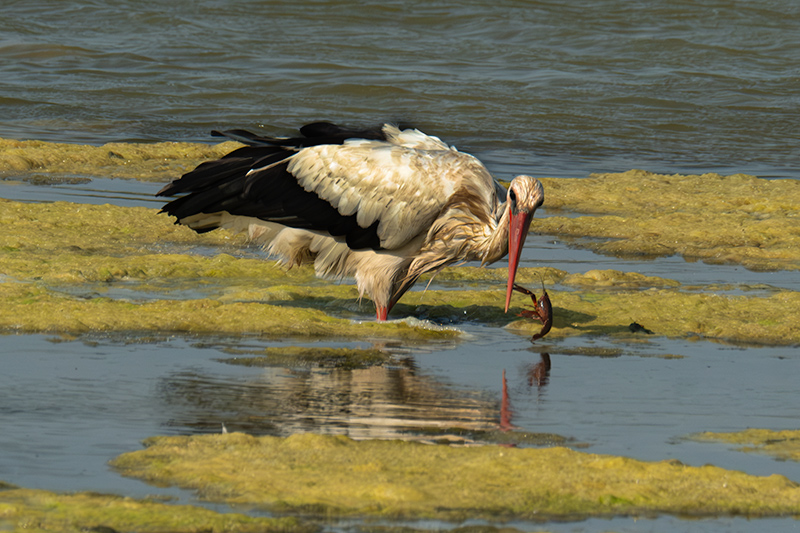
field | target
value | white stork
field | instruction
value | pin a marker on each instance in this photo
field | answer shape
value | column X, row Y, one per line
column 383, row 206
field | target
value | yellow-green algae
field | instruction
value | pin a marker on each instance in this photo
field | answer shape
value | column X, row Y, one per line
column 336, row 475
column 781, row 444
column 470, row 528
column 143, row 161
column 673, row 313
column 737, row 218
column 28, row 308
column 717, row 219
column 39, row 510
column 57, row 261
column 596, row 279
column 47, row 247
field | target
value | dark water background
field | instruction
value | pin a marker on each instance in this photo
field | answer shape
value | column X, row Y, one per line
column 559, row 88
column 548, row 88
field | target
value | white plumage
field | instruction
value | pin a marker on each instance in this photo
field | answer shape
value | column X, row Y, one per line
column 382, row 206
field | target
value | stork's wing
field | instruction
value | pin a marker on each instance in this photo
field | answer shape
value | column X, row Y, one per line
column 373, row 193
column 401, row 189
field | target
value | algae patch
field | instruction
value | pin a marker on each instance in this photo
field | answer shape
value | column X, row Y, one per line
column 673, row 313
column 783, row 445
column 58, row 259
column 29, row 308
column 614, row 279
column 39, row 510
column 73, row 268
column 735, row 219
column 143, row 161
column 336, row 475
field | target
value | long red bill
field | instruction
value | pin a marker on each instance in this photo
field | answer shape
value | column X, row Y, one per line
column 517, row 231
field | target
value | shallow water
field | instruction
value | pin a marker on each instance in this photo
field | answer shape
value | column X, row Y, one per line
column 70, row 406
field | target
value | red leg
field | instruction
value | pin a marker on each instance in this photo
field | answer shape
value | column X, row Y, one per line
column 382, row 313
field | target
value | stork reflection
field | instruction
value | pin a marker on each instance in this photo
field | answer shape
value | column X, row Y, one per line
column 506, row 412
column 538, row 373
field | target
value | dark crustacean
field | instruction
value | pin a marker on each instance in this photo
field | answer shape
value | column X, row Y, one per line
column 542, row 311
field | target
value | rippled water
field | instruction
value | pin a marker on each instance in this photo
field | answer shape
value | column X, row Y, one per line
column 562, row 88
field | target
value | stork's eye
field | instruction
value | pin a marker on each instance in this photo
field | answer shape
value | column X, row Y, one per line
column 512, row 198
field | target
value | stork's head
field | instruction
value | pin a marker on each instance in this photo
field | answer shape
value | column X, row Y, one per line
column 525, row 194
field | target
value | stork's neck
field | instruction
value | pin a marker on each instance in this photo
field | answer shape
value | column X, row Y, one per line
column 495, row 245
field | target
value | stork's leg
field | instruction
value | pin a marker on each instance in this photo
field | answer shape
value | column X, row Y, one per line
column 383, row 311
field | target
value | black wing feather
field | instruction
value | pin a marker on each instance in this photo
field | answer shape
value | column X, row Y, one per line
column 271, row 194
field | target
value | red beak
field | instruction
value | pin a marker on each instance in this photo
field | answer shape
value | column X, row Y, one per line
column 517, row 231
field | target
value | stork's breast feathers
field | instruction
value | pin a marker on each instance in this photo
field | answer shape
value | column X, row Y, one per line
column 403, row 188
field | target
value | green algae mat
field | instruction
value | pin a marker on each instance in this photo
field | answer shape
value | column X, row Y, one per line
column 63, row 266
column 736, row 219
column 60, row 262
column 783, row 445
column 334, row 475
column 39, row 510
column 142, row 161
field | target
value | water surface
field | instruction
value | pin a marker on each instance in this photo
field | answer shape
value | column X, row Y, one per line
column 545, row 88
column 548, row 88
column 70, row 406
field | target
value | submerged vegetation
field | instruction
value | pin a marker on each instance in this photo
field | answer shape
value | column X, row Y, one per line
column 318, row 356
